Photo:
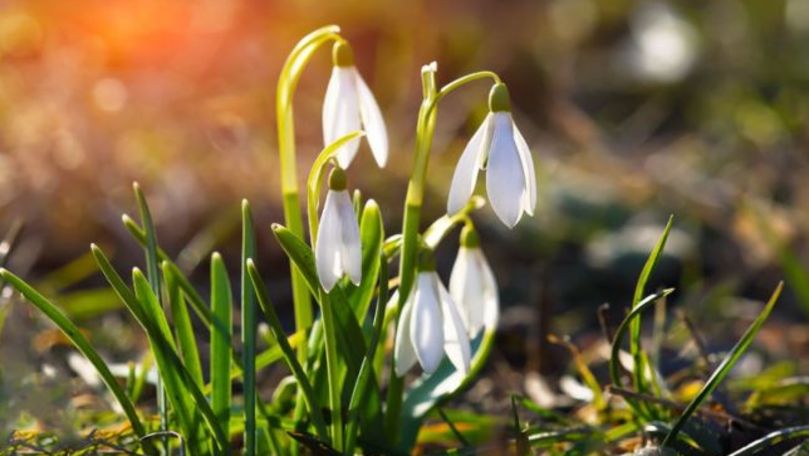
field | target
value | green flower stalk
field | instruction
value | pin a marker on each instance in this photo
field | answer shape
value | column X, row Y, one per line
column 287, row 83
column 425, row 128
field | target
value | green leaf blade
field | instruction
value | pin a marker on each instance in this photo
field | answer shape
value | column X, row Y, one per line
column 221, row 334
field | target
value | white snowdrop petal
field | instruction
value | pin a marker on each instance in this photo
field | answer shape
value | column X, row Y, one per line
column 530, row 194
column 465, row 289
column 328, row 248
column 505, row 181
column 329, row 116
column 373, row 123
column 426, row 327
column 456, row 341
column 490, row 312
column 466, row 171
column 404, row 353
column 341, row 112
column 351, row 251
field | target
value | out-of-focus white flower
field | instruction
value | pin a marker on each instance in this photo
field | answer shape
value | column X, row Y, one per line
column 338, row 251
column 665, row 46
column 472, row 285
column 350, row 106
column 430, row 326
column 499, row 147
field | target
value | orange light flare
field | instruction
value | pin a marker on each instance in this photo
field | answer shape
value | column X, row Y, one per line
column 136, row 32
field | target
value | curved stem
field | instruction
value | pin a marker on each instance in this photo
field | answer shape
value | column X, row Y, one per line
column 463, row 80
column 315, row 181
column 287, row 83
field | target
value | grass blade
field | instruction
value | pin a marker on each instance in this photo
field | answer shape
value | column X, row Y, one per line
column 614, row 364
column 725, row 366
column 772, row 439
column 168, row 362
column 640, row 360
column 221, row 332
column 194, row 298
column 183, row 329
column 187, row 400
column 289, row 356
column 80, row 342
column 248, row 332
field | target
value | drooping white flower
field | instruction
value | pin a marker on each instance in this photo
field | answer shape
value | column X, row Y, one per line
column 350, row 106
column 430, row 326
column 498, row 147
column 472, row 285
column 338, row 251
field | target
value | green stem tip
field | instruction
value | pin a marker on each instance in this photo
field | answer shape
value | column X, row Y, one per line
column 499, row 99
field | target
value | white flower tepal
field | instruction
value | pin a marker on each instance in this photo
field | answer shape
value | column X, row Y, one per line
column 499, row 147
column 473, row 287
column 350, row 106
column 429, row 327
column 338, row 251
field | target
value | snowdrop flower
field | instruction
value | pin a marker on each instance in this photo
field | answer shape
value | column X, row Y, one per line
column 349, row 106
column 472, row 285
column 430, row 325
column 338, row 250
column 499, row 147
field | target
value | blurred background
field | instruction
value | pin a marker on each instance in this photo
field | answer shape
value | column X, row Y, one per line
column 634, row 110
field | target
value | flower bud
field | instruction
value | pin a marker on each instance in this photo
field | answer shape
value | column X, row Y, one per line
column 469, row 237
column 337, row 179
column 499, row 99
column 342, row 55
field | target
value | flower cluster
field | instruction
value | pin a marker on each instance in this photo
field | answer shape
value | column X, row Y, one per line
column 434, row 321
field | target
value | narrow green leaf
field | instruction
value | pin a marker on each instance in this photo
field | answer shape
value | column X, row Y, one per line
column 772, row 439
column 152, row 271
column 183, row 329
column 194, row 298
column 725, row 366
column 162, row 343
column 371, row 237
column 638, row 356
column 248, row 332
column 286, row 350
column 140, row 379
column 81, row 343
column 620, row 332
column 300, row 254
column 221, row 334
column 169, row 364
